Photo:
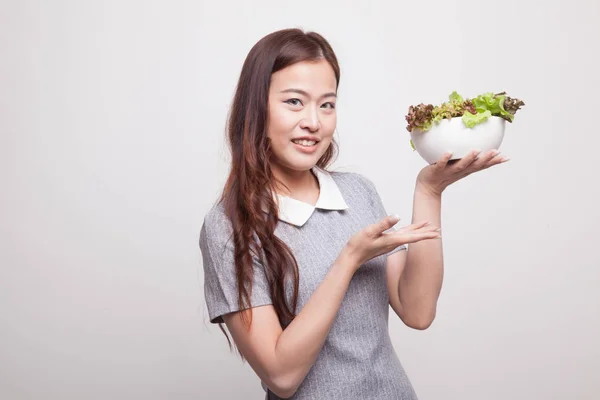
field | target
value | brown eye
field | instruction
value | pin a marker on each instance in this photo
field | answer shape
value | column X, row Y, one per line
column 291, row 100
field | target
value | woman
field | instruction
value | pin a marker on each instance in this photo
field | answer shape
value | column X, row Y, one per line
column 301, row 263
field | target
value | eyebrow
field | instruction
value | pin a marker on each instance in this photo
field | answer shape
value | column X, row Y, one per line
column 302, row 92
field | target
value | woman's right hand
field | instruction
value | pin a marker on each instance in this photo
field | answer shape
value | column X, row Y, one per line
column 373, row 241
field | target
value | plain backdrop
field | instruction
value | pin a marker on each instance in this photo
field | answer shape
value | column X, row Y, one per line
column 112, row 149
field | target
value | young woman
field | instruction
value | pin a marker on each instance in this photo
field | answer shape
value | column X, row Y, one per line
column 301, row 263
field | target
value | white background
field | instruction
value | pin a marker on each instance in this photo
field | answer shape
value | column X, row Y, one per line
column 112, row 119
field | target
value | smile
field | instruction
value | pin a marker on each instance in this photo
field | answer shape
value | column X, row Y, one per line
column 306, row 143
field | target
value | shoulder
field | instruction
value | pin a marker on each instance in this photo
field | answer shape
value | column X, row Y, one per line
column 351, row 180
column 216, row 226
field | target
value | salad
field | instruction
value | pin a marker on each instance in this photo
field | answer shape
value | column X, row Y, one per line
column 473, row 111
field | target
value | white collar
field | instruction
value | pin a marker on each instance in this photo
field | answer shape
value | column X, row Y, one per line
column 297, row 212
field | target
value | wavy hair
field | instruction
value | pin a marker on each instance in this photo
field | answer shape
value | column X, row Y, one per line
column 250, row 183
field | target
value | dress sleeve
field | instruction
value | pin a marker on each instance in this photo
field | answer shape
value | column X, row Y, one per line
column 379, row 209
column 220, row 284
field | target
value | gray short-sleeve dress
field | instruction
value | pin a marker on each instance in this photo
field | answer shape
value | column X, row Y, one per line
column 357, row 360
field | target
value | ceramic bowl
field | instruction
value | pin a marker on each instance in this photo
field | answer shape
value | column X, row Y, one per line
column 453, row 135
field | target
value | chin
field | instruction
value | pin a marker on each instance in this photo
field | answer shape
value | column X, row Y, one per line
column 302, row 165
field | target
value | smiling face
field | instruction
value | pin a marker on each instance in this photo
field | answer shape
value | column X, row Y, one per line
column 301, row 104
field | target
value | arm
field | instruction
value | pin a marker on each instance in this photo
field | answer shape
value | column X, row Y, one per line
column 420, row 280
column 414, row 277
column 283, row 358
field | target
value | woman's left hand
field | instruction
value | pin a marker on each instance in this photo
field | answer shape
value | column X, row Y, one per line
column 435, row 178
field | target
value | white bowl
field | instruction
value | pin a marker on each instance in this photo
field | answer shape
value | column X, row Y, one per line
column 453, row 135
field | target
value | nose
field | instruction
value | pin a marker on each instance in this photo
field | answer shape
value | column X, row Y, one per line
column 311, row 120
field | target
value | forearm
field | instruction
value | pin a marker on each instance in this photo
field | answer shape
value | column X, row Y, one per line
column 421, row 281
column 300, row 343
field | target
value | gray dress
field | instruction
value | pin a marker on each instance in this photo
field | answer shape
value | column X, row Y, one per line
column 357, row 360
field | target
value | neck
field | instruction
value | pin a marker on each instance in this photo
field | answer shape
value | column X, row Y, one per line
column 299, row 183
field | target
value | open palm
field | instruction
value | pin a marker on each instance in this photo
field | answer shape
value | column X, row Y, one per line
column 438, row 176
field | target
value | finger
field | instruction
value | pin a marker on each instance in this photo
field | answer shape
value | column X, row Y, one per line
column 418, row 229
column 482, row 161
column 417, row 236
column 494, row 160
column 429, row 228
column 499, row 159
column 383, row 225
column 413, row 237
column 414, row 227
column 441, row 164
column 467, row 160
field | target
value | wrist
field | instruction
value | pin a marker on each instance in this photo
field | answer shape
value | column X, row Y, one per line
column 428, row 190
column 348, row 260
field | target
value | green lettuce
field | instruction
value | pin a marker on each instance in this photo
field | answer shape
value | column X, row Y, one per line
column 454, row 107
column 455, row 97
column 492, row 103
column 470, row 120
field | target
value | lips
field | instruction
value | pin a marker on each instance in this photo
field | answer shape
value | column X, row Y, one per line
column 307, row 145
column 306, row 149
column 307, row 138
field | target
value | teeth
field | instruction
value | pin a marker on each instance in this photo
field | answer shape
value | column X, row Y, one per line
column 305, row 142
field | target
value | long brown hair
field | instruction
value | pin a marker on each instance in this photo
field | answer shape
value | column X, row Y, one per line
column 250, row 183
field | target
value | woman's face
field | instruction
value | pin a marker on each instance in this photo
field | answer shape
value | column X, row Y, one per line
column 302, row 100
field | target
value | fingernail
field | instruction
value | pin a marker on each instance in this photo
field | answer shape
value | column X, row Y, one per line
column 504, row 159
column 395, row 217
